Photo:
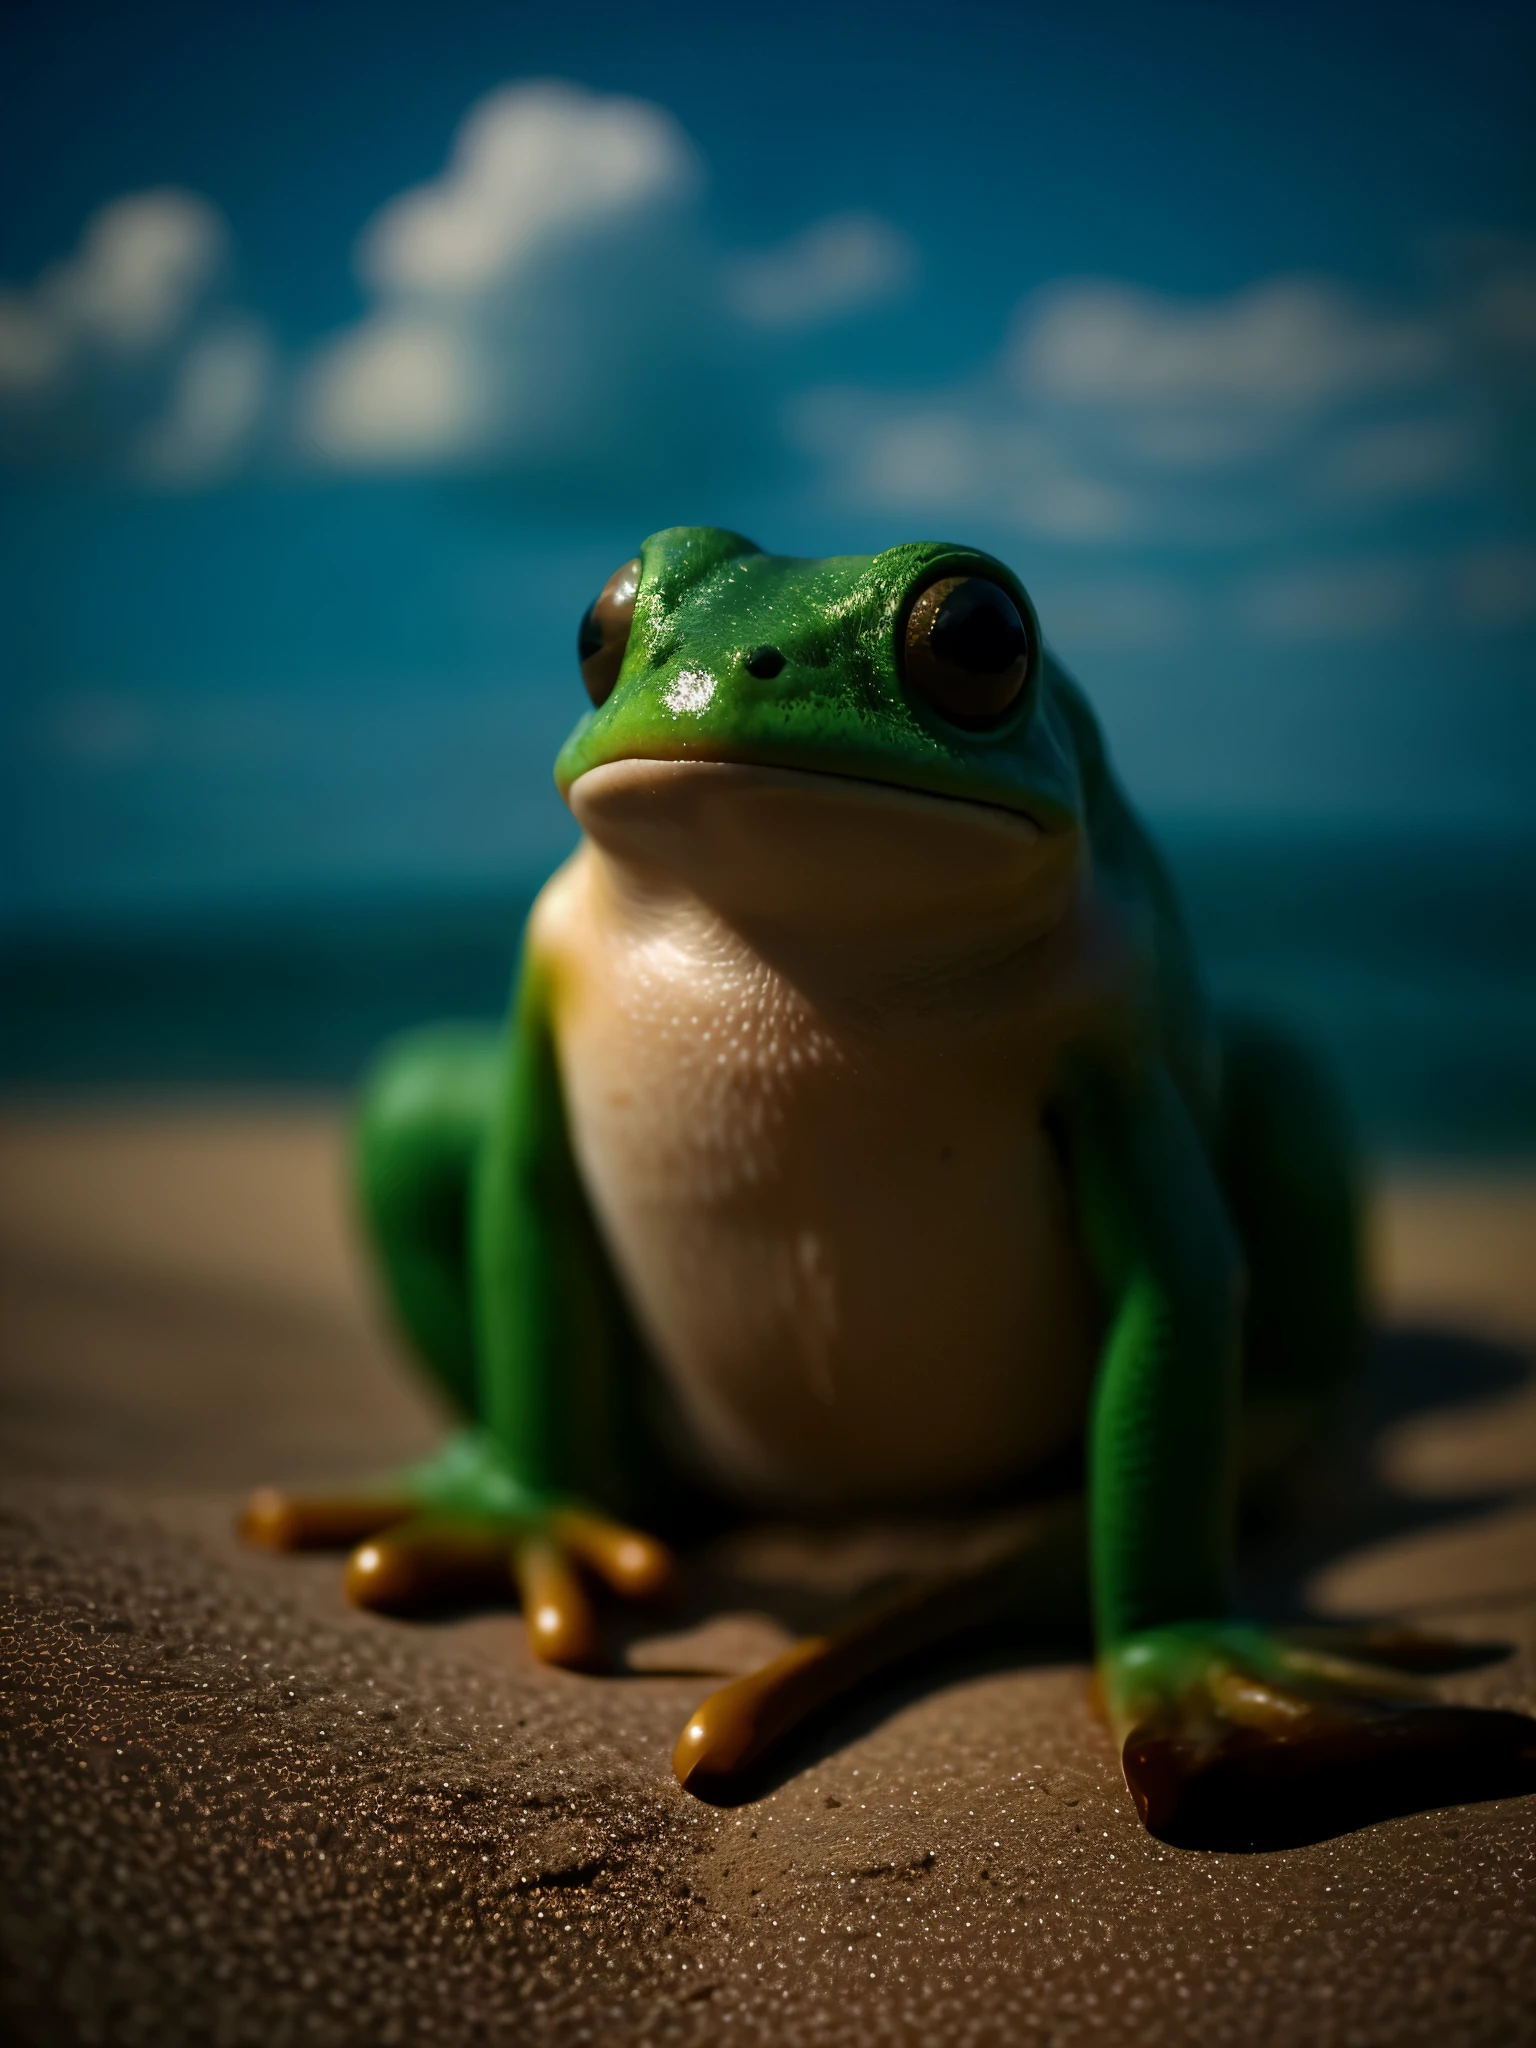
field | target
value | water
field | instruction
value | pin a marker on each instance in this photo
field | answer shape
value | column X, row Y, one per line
column 1412, row 964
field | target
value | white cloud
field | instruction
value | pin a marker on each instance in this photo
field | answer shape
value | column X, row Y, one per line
column 1504, row 314
column 831, row 269
column 1400, row 459
column 1356, row 600
column 485, row 337
column 921, row 459
column 1115, row 615
column 98, row 729
column 400, row 388
column 1486, row 589
column 1070, row 507
column 1202, row 440
column 219, row 394
column 532, row 165
column 1287, row 342
column 949, row 462
column 33, row 345
column 1496, row 286
column 144, row 263
column 120, row 356
column 1495, row 587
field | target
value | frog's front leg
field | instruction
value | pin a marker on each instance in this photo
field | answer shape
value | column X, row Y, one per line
column 496, row 1274
column 1230, row 1735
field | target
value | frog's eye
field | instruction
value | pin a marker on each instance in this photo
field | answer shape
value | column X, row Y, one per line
column 967, row 650
column 604, row 632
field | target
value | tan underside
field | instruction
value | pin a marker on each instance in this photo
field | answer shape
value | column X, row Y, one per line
column 805, row 1027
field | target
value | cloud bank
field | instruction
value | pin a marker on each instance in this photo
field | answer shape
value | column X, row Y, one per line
column 552, row 303
column 531, row 165
column 124, row 356
column 832, row 269
column 1287, row 343
column 1353, row 444
column 464, row 356
column 554, row 313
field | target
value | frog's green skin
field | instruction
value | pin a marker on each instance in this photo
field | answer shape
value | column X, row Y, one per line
column 860, row 1117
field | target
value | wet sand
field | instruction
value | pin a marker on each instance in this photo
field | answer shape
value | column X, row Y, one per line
column 237, row 1810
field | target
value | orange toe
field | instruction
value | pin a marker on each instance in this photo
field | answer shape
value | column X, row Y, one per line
column 556, row 1611
column 633, row 1565
column 281, row 1521
column 423, row 1565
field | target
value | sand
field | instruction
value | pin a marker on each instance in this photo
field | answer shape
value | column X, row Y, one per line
column 237, row 1810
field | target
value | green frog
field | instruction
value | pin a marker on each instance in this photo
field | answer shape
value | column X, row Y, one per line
column 860, row 1142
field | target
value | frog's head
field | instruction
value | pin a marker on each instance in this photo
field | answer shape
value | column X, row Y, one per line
column 837, row 736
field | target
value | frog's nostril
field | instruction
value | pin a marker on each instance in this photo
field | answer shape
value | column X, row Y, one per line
column 764, row 662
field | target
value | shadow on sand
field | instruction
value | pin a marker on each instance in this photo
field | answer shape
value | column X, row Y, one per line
column 1341, row 1502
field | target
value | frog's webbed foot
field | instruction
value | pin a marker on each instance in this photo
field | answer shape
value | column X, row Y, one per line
column 441, row 1560
column 1234, row 1739
column 406, row 1561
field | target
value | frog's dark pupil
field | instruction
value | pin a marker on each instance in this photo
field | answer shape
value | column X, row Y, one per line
column 765, row 662
column 978, row 629
column 589, row 635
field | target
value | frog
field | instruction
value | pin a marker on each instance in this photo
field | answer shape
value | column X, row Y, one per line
column 861, row 1140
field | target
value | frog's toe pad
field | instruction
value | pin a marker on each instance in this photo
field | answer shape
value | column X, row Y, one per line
column 430, row 1565
column 1251, row 1787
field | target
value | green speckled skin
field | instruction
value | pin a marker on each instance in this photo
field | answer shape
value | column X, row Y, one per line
column 707, row 597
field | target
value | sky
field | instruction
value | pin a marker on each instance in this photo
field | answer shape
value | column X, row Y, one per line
column 344, row 351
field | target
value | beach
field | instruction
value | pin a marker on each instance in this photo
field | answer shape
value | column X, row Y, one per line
column 239, row 1810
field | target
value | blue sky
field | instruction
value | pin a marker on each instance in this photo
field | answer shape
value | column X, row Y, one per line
column 344, row 351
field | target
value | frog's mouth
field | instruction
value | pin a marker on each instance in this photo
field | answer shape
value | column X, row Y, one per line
column 796, row 846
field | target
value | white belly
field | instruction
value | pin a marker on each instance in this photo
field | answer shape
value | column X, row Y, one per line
column 847, row 1247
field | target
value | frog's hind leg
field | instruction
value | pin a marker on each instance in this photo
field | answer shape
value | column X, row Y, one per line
column 1287, row 1169
column 421, row 1116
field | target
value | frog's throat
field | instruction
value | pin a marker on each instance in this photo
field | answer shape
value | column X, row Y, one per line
column 814, row 852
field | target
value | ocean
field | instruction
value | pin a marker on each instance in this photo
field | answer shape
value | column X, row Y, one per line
column 1409, row 962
